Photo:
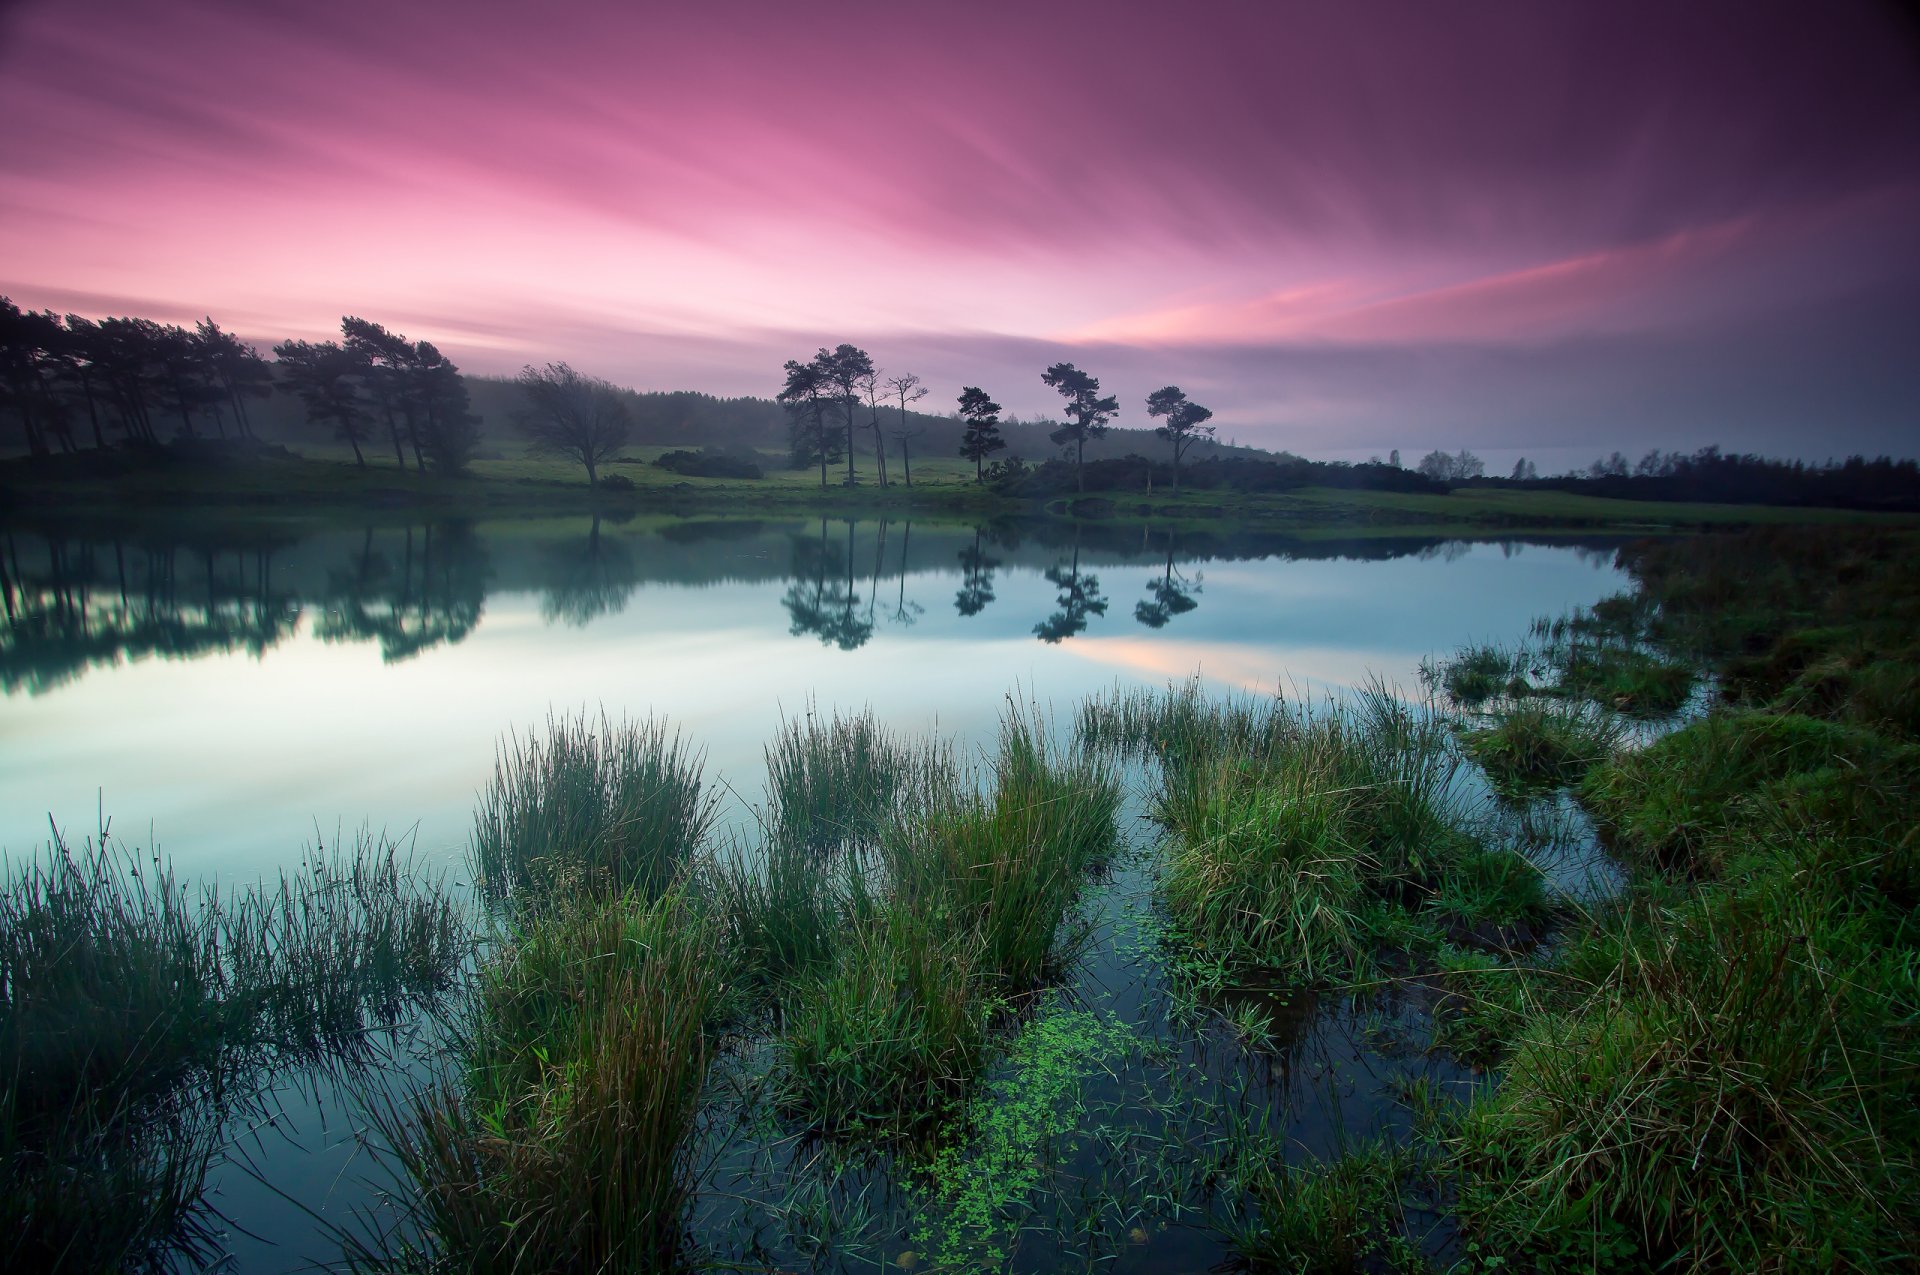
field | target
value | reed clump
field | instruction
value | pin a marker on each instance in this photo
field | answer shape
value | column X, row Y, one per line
column 134, row 1012
column 1540, row 745
column 1293, row 860
column 832, row 782
column 961, row 907
column 566, row 1147
column 596, row 806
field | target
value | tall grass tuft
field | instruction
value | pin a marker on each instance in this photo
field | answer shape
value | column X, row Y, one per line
column 567, row 1146
column 1542, row 744
column 597, row 807
column 964, row 907
column 133, row 1013
column 833, row 783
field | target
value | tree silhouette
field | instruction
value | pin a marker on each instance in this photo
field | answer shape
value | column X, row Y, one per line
column 1087, row 413
column 982, row 435
column 232, row 366
column 805, row 395
column 1186, row 422
column 321, row 375
column 1079, row 598
column 905, row 389
column 844, row 368
column 385, row 369
column 583, row 418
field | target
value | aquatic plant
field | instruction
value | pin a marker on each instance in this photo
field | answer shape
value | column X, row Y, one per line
column 566, row 1147
column 596, row 807
column 1542, row 744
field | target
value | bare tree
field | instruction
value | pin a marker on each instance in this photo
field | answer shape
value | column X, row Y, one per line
column 903, row 390
column 580, row 417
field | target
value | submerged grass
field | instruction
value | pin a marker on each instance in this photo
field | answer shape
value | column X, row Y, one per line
column 596, row 806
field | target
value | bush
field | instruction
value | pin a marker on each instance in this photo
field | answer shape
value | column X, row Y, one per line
column 707, row 463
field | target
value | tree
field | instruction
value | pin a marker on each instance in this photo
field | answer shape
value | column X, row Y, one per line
column 1087, row 413
column 1393, row 458
column 233, row 367
column 386, row 365
column 449, row 430
column 1614, row 466
column 904, row 389
column 806, row 396
column 1186, row 422
column 583, row 418
column 844, row 368
column 320, row 374
column 1442, row 467
column 981, row 437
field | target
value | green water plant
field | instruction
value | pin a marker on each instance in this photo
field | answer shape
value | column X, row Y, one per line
column 595, row 806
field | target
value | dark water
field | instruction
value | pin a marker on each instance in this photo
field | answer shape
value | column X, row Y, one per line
column 234, row 693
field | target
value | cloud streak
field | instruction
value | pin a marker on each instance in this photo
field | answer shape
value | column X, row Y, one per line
column 1327, row 214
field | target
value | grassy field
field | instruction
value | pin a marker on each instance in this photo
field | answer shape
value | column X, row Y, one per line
column 327, row 480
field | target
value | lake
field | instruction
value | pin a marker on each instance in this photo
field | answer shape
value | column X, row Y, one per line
column 235, row 693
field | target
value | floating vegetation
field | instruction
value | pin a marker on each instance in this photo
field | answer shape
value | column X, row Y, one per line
column 1542, row 744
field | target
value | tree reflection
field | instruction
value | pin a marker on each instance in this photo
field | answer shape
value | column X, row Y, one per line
column 68, row 604
column 1079, row 598
column 976, row 579
column 588, row 578
column 431, row 589
column 821, row 598
column 1170, row 595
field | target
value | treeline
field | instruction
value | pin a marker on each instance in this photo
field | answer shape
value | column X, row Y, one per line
column 76, row 384
column 1713, row 476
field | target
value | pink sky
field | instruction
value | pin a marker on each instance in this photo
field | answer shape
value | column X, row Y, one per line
column 1346, row 226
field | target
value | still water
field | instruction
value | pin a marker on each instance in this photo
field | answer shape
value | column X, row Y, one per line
column 240, row 691
column 237, row 694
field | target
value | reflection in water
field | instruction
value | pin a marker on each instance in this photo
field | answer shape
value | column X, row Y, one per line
column 76, row 597
column 1170, row 595
column 1079, row 598
column 429, row 589
column 976, row 579
column 821, row 599
column 71, row 603
column 588, row 578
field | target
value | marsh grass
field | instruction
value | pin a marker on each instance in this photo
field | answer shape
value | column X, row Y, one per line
column 1542, row 744
column 1727, row 1098
column 353, row 937
column 594, row 807
column 1319, row 1219
column 1298, row 858
column 1626, row 678
column 833, row 782
column 135, row 1015
column 566, row 1147
column 961, row 908
column 1681, row 801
